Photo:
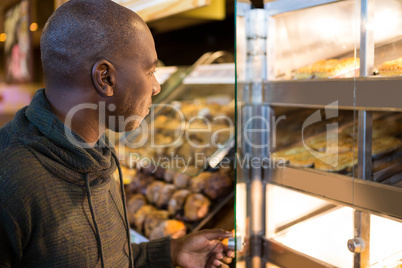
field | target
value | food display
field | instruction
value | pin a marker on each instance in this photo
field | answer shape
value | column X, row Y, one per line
column 157, row 207
column 391, row 68
column 324, row 153
column 184, row 135
column 332, row 68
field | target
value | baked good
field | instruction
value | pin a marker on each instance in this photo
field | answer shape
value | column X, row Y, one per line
column 160, row 121
column 140, row 183
column 304, row 72
column 335, row 162
column 337, row 68
column 176, row 202
column 197, row 184
column 343, row 144
column 181, row 180
column 332, row 68
column 304, row 159
column 172, row 228
column 169, row 175
column 127, row 173
column 140, row 216
column 153, row 191
column 380, row 128
column 393, row 67
column 218, row 185
column 196, row 207
column 134, row 203
column 192, row 170
column 290, row 151
column 186, row 151
column 384, row 145
column 165, row 193
column 153, row 219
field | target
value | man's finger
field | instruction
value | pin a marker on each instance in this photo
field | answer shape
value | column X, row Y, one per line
column 230, row 253
column 216, row 234
column 226, row 260
column 219, row 264
column 224, row 265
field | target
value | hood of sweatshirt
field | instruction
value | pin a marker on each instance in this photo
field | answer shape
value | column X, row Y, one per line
column 58, row 154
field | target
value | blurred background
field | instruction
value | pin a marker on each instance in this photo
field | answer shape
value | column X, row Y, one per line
column 183, row 32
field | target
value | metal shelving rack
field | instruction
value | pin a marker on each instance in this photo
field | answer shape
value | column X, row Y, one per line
column 259, row 92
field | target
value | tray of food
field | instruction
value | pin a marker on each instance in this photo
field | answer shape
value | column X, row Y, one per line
column 183, row 135
column 337, row 151
column 167, row 203
column 332, row 68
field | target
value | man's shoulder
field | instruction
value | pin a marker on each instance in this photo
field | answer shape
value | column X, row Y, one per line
column 18, row 169
column 13, row 132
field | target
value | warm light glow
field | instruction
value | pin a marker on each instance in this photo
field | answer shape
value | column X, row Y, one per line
column 33, row 27
column 241, row 209
column 323, row 237
column 385, row 242
column 3, row 37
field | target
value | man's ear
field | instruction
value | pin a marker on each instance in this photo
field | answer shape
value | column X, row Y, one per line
column 103, row 78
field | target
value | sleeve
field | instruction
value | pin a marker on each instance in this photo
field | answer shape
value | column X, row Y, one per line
column 155, row 253
column 10, row 240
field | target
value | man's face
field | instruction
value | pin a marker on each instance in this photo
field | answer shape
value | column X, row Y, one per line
column 136, row 82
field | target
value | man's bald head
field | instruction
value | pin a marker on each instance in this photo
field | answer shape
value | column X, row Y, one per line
column 80, row 32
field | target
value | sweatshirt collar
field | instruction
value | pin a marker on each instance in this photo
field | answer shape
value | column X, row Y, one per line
column 57, row 146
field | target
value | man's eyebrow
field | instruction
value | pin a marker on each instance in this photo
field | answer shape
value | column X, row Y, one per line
column 154, row 64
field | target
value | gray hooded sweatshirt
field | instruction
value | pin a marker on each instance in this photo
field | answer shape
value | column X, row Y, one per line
column 59, row 205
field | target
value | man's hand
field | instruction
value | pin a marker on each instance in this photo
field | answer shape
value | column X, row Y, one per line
column 201, row 249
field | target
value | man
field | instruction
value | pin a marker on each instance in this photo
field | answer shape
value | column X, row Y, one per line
column 59, row 206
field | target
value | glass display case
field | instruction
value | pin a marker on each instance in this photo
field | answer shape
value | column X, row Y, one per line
column 319, row 136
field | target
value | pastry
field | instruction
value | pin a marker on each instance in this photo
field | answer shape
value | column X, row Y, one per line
column 176, row 202
column 332, row 68
column 301, row 160
column 197, row 184
column 196, row 207
column 127, row 173
column 380, row 128
column 192, row 170
column 172, row 228
column 140, row 215
column 304, row 72
column 153, row 219
column 393, row 67
column 384, row 145
column 169, row 175
column 218, row 185
column 335, row 162
column 153, row 191
column 165, row 193
column 140, row 183
column 336, row 68
column 181, row 180
column 134, row 203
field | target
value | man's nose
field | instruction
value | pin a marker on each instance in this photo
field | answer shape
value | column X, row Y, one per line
column 156, row 88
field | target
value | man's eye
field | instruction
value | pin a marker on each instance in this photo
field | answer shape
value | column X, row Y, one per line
column 152, row 72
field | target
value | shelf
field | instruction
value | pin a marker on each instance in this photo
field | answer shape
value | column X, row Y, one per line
column 287, row 257
column 279, row 7
column 156, row 9
column 364, row 195
column 372, row 93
